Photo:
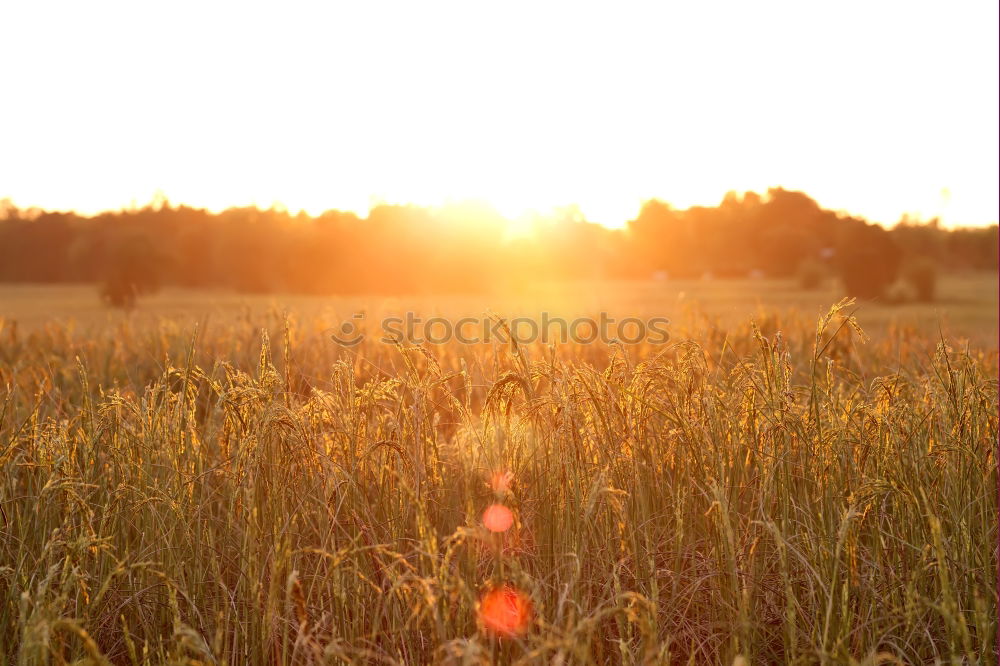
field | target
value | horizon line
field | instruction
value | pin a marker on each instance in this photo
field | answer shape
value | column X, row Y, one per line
column 159, row 199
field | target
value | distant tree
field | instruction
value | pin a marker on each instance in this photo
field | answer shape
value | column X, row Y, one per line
column 133, row 270
column 782, row 249
column 921, row 274
column 665, row 239
column 915, row 238
column 397, row 249
column 868, row 259
column 973, row 248
column 8, row 211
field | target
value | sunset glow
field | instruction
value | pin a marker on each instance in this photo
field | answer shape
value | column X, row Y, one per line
column 505, row 611
column 890, row 108
column 499, row 333
column 498, row 518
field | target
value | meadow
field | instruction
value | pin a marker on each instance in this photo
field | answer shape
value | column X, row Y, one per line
column 210, row 479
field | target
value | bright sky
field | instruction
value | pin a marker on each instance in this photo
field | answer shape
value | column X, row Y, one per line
column 876, row 108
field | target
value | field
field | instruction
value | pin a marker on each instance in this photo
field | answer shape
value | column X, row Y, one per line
column 211, row 479
column 966, row 307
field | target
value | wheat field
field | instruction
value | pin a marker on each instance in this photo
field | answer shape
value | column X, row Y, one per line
column 246, row 492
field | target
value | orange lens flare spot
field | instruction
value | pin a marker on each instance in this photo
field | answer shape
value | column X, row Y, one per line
column 497, row 518
column 505, row 611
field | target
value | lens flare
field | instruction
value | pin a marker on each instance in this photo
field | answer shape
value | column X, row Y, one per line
column 497, row 518
column 505, row 611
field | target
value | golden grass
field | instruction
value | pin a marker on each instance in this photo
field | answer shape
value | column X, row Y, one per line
column 232, row 496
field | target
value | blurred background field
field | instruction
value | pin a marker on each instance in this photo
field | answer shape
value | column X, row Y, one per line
column 966, row 306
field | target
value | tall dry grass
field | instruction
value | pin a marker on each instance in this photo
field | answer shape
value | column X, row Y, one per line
column 224, row 496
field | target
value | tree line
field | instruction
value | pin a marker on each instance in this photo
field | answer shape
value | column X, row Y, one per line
column 406, row 248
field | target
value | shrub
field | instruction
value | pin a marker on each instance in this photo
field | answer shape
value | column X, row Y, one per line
column 133, row 270
column 868, row 260
column 922, row 276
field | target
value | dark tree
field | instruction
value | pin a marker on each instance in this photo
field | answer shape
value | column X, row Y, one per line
column 921, row 274
column 133, row 270
column 868, row 260
column 461, row 247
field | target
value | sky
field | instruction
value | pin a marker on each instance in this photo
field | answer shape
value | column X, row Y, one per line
column 876, row 109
